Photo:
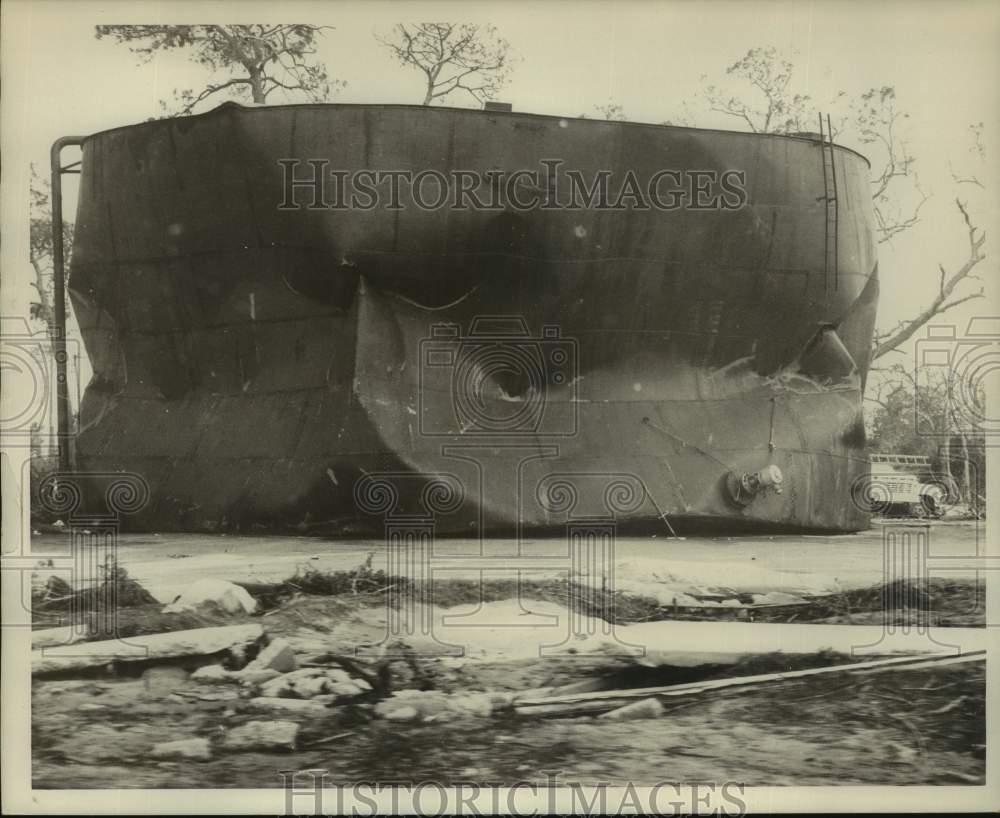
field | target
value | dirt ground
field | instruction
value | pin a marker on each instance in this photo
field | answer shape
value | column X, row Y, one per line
column 867, row 730
column 714, row 569
column 919, row 726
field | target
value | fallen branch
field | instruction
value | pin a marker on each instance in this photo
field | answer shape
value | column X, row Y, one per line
column 953, row 705
column 329, row 740
column 202, row 697
column 887, row 342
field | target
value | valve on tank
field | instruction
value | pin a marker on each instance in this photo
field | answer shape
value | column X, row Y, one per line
column 744, row 487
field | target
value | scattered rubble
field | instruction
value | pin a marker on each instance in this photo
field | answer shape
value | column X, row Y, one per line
column 301, row 682
column 102, row 743
column 310, row 682
column 428, row 705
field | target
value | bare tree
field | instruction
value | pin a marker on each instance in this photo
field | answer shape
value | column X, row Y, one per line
column 764, row 103
column 774, row 110
column 950, row 292
column 943, row 301
column 453, row 58
column 923, row 413
column 40, row 248
column 42, row 308
column 875, row 121
column 255, row 60
column 611, row 111
column 978, row 152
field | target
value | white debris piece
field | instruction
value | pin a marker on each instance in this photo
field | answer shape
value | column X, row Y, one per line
column 473, row 704
column 315, row 681
column 432, row 704
column 355, row 687
column 278, row 655
column 214, row 674
column 280, row 686
column 288, row 705
column 228, row 596
column 644, row 709
column 428, row 703
column 197, row 748
column 777, row 598
column 217, row 674
column 263, row 735
column 164, row 678
column 253, row 676
column 402, row 714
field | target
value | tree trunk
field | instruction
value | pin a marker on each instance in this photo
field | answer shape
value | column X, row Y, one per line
column 968, row 490
column 45, row 312
column 257, row 85
column 946, row 452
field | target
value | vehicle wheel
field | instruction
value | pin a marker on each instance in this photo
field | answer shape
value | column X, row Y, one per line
column 931, row 506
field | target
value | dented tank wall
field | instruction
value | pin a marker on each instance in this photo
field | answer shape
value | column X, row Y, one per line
column 251, row 363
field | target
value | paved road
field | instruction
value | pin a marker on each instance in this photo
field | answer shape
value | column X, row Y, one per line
column 793, row 564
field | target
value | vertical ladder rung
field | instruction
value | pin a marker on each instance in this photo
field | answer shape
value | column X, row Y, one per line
column 831, row 260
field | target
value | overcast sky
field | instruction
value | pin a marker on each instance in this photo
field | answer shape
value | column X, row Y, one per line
column 649, row 57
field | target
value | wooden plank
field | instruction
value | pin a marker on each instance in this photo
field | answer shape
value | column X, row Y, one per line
column 195, row 642
column 587, row 702
column 53, row 637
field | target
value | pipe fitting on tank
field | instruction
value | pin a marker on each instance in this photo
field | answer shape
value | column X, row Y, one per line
column 744, row 487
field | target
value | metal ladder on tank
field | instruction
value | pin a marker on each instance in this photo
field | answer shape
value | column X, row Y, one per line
column 830, row 264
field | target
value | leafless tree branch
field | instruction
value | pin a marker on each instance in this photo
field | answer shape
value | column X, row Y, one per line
column 942, row 301
column 259, row 58
column 452, row 58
